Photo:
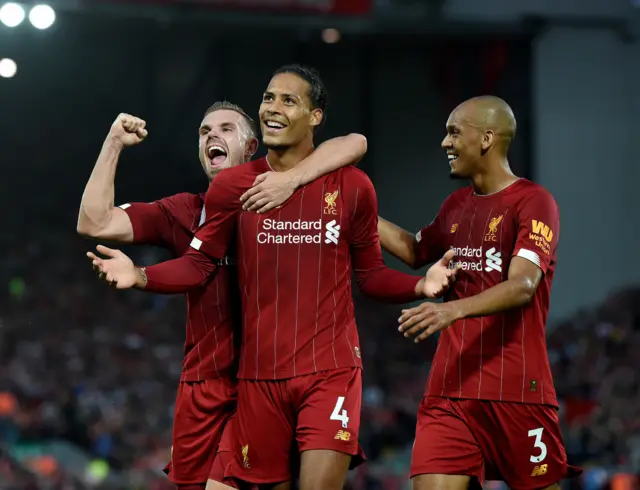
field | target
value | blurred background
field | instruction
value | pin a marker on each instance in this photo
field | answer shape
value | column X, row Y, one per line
column 88, row 376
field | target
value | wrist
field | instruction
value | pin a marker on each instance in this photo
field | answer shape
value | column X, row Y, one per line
column 141, row 280
column 113, row 141
column 457, row 307
column 419, row 289
column 296, row 178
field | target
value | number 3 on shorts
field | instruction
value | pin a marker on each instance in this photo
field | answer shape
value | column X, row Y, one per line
column 537, row 433
column 341, row 415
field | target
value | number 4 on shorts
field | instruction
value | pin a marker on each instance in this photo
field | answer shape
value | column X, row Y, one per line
column 339, row 413
column 538, row 444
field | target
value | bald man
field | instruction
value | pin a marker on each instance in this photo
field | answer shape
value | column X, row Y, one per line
column 490, row 408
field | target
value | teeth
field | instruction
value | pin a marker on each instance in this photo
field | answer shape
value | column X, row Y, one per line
column 274, row 125
column 212, row 149
column 452, row 157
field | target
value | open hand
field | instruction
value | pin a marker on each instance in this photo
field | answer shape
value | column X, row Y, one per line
column 440, row 277
column 269, row 190
column 117, row 269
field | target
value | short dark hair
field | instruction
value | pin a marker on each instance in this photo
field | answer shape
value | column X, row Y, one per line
column 317, row 92
column 225, row 105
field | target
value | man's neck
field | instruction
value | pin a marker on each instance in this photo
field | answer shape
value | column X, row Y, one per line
column 286, row 159
column 494, row 178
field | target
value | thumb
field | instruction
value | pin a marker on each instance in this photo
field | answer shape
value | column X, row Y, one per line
column 109, row 252
column 260, row 178
column 447, row 257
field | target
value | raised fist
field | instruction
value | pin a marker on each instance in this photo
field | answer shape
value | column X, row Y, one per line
column 128, row 129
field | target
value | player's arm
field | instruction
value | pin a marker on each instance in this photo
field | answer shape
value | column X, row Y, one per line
column 414, row 250
column 374, row 278
column 271, row 189
column 193, row 269
column 98, row 217
column 398, row 242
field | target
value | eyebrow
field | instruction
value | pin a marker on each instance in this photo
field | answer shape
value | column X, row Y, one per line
column 293, row 96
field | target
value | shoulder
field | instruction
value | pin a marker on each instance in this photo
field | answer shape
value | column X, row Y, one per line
column 184, row 205
column 529, row 191
column 354, row 177
column 240, row 177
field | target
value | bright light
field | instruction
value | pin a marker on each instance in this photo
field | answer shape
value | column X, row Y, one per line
column 8, row 68
column 42, row 16
column 331, row 36
column 12, row 14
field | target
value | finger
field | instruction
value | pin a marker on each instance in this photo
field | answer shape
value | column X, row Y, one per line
column 251, row 192
column 267, row 207
column 142, row 133
column 261, row 178
column 418, row 327
column 109, row 252
column 416, row 310
column 92, row 256
column 448, row 257
column 428, row 332
column 258, row 204
column 410, row 322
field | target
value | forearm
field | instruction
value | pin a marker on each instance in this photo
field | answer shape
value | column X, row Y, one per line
column 502, row 297
column 397, row 241
column 389, row 285
column 329, row 156
column 97, row 202
column 180, row 275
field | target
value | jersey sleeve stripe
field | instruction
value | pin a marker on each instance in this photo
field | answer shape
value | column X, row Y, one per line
column 196, row 243
column 125, row 206
column 529, row 255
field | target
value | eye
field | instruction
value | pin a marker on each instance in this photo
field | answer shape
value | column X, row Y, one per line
column 227, row 129
column 267, row 98
column 289, row 101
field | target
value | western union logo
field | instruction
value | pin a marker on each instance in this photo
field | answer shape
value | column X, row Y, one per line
column 539, row 470
column 343, row 435
column 539, row 228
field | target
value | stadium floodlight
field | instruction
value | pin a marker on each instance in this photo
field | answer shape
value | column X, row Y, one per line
column 42, row 16
column 8, row 68
column 12, row 14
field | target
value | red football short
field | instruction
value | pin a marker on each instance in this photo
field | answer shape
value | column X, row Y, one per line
column 276, row 419
column 518, row 443
column 201, row 430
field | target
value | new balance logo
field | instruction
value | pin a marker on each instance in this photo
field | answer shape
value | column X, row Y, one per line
column 494, row 260
column 332, row 232
column 343, row 435
column 539, row 470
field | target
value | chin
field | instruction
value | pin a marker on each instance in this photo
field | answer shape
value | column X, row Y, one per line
column 275, row 144
column 456, row 175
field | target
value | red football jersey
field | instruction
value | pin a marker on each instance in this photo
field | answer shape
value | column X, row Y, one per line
column 501, row 356
column 210, row 350
column 294, row 266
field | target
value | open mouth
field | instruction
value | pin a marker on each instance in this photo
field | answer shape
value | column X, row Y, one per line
column 453, row 158
column 216, row 154
column 274, row 126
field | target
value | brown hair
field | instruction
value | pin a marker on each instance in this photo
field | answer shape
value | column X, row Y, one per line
column 225, row 105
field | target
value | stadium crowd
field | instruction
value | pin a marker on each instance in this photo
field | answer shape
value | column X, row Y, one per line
column 99, row 369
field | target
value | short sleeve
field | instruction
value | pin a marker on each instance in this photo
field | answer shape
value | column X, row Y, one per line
column 222, row 206
column 153, row 223
column 538, row 229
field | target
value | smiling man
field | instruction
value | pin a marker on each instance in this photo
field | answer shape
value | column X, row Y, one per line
column 300, row 368
column 490, row 406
